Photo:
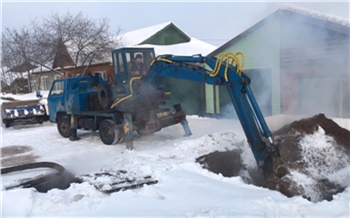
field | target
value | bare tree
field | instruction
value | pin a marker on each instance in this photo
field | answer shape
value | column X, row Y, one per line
column 17, row 51
column 87, row 40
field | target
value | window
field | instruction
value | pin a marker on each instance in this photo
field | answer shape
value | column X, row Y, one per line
column 120, row 62
column 57, row 88
column 115, row 62
column 45, row 83
column 33, row 84
column 102, row 73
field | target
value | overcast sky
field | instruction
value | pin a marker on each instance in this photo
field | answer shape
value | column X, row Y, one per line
column 212, row 22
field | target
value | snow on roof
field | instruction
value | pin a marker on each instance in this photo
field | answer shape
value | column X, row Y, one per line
column 316, row 14
column 194, row 46
column 137, row 36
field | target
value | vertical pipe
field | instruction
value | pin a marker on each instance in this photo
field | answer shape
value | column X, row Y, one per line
column 128, row 131
column 73, row 129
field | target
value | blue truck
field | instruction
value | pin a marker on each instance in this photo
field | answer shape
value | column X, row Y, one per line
column 88, row 102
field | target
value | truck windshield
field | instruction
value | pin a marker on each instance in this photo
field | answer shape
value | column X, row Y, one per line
column 138, row 62
column 57, row 88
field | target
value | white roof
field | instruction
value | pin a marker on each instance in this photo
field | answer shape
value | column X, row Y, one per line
column 194, row 46
column 135, row 37
column 316, row 14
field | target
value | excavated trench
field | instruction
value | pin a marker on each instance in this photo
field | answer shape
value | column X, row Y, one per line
column 315, row 151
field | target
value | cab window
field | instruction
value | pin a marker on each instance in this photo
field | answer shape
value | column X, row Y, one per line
column 57, row 88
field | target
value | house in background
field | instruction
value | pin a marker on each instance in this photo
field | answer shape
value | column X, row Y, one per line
column 167, row 38
column 298, row 60
column 63, row 64
column 42, row 77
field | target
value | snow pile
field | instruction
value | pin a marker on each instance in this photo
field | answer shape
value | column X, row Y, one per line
column 322, row 155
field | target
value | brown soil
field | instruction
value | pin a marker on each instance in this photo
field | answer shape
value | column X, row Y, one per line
column 310, row 125
column 288, row 139
column 230, row 163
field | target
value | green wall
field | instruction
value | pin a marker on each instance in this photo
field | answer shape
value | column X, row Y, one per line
column 262, row 51
column 188, row 93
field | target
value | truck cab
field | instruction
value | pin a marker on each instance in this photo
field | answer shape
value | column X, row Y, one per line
column 123, row 60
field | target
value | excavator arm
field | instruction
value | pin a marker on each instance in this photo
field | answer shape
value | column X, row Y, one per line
column 227, row 72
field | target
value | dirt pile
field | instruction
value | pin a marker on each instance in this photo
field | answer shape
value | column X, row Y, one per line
column 296, row 130
column 316, row 152
column 316, row 155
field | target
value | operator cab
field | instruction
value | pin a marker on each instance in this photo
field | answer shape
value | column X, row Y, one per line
column 128, row 62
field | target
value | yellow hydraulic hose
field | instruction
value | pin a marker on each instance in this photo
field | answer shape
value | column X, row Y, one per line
column 131, row 91
column 228, row 58
column 120, row 100
column 131, row 81
column 138, row 78
column 161, row 59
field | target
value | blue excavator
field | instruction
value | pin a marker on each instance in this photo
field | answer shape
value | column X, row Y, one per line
column 135, row 101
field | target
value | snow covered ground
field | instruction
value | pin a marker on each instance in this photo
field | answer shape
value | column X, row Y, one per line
column 184, row 188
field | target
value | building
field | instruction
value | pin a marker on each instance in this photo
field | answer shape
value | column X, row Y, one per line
column 167, row 38
column 63, row 65
column 104, row 68
column 42, row 79
column 298, row 60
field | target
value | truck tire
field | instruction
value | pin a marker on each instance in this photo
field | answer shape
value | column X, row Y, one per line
column 63, row 126
column 40, row 120
column 105, row 96
column 109, row 133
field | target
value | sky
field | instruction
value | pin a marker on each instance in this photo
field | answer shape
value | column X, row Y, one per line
column 213, row 22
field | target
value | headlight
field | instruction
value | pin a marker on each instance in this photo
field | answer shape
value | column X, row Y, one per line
column 42, row 110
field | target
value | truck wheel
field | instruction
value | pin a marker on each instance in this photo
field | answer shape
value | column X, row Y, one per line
column 109, row 133
column 63, row 126
column 39, row 120
column 104, row 96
